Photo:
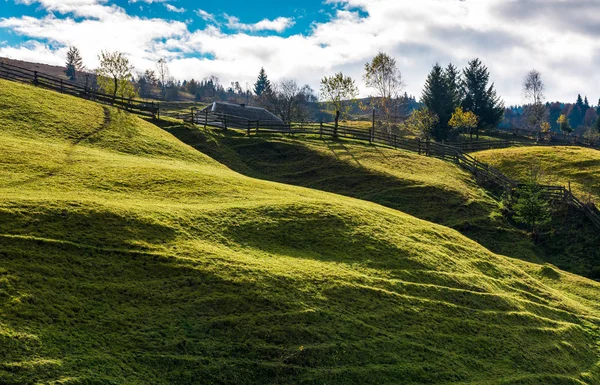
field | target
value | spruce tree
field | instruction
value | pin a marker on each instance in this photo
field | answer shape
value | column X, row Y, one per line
column 74, row 63
column 263, row 84
column 439, row 97
column 479, row 98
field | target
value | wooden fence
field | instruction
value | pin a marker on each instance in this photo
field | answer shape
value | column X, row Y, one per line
column 457, row 154
column 19, row 74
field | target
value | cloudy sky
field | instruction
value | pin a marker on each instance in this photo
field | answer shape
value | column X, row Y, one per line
column 308, row 39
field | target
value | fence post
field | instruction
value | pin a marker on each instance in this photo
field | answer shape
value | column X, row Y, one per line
column 337, row 120
column 193, row 119
column 205, row 118
column 35, row 78
column 395, row 141
column 427, row 149
column 257, row 124
column 225, row 122
column 61, row 87
column 248, row 132
column 321, row 129
column 372, row 131
column 419, row 141
column 158, row 110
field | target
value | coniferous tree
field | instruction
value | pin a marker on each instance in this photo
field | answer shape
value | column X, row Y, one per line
column 74, row 63
column 263, row 84
column 440, row 96
column 479, row 98
column 453, row 78
column 597, row 125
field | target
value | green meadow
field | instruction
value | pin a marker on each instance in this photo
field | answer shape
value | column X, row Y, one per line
column 130, row 257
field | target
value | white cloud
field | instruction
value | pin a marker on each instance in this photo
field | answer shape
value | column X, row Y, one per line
column 172, row 8
column 418, row 34
column 279, row 25
column 206, row 16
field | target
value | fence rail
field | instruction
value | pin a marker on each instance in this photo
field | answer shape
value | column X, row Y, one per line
column 24, row 75
column 454, row 153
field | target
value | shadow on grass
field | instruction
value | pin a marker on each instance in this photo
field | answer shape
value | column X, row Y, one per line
column 81, row 225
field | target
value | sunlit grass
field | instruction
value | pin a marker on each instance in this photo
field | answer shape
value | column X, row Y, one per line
column 129, row 257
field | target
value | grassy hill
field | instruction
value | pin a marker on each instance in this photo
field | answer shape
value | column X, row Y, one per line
column 130, row 258
column 559, row 165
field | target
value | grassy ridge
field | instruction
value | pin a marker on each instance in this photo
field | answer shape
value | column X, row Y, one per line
column 128, row 257
column 559, row 165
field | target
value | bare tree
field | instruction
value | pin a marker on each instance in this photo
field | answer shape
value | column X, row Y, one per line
column 533, row 91
column 383, row 75
column 289, row 101
column 162, row 72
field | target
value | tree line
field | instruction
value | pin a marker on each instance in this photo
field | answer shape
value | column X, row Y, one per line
column 453, row 102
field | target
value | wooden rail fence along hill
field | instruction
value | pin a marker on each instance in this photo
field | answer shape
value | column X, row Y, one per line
column 456, row 154
column 23, row 75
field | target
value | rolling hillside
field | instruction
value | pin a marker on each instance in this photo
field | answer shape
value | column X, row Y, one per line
column 129, row 257
column 559, row 165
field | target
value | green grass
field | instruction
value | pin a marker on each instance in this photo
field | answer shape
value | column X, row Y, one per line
column 559, row 165
column 428, row 188
column 130, row 258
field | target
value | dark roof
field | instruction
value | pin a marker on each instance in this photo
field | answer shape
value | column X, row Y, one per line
column 244, row 112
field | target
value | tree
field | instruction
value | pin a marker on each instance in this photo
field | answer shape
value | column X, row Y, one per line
column 74, row 63
column 464, row 121
column 479, row 98
column 383, row 75
column 564, row 125
column 163, row 75
column 531, row 208
column 439, row 97
column 453, row 79
column 533, row 91
column 263, row 84
column 597, row 125
column 423, row 122
column 592, row 135
column 114, row 74
column 339, row 92
column 288, row 100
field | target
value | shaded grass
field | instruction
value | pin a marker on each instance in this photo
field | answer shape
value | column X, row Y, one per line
column 140, row 260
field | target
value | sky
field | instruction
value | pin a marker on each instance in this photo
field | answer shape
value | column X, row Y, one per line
column 309, row 39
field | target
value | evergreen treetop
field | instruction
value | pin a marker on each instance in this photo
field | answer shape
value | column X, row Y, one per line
column 479, row 98
column 263, row 84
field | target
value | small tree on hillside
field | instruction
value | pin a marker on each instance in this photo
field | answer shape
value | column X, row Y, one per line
column 339, row 92
column 592, row 136
column 423, row 122
column 114, row 75
column 564, row 125
column 463, row 121
column 533, row 91
column 531, row 208
column 383, row 75
column 163, row 75
column 74, row 63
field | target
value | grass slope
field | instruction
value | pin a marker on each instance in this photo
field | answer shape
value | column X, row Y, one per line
column 130, row 258
column 428, row 188
column 573, row 242
column 559, row 165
